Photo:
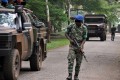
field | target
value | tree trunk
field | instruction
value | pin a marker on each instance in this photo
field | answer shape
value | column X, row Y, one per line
column 48, row 21
column 68, row 10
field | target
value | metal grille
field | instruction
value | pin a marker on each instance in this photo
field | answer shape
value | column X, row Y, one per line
column 92, row 27
column 5, row 41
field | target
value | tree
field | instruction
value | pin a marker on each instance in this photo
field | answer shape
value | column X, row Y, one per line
column 57, row 14
column 59, row 7
column 38, row 7
column 57, row 17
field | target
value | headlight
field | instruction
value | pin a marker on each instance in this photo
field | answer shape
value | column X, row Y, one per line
column 100, row 26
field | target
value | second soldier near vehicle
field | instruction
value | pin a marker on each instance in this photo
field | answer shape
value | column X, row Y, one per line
column 113, row 29
column 79, row 32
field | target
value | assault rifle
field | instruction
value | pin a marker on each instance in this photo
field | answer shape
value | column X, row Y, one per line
column 75, row 41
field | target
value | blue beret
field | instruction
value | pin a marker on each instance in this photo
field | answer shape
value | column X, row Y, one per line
column 79, row 17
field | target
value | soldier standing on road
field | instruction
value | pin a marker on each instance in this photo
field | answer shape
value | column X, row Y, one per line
column 113, row 29
column 79, row 31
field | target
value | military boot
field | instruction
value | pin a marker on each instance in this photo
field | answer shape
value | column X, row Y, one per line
column 69, row 77
column 76, row 76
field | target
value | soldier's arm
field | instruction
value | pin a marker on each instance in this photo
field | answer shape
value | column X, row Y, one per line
column 68, row 37
column 84, row 37
column 67, row 32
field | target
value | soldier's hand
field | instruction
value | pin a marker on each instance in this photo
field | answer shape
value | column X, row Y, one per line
column 81, row 49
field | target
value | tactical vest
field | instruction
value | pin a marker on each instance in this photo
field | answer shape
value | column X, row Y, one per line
column 76, row 32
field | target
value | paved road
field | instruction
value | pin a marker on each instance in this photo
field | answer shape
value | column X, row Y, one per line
column 103, row 57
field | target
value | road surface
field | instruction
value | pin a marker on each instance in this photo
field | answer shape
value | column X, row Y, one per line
column 103, row 62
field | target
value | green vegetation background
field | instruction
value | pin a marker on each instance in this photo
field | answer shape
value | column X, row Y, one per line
column 56, row 43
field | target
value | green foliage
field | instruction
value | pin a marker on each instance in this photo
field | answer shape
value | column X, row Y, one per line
column 58, row 8
column 57, row 15
column 55, row 43
column 59, row 3
column 38, row 7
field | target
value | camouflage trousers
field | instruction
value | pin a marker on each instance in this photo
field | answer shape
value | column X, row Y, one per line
column 73, row 55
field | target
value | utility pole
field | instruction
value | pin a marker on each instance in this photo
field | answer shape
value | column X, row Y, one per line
column 48, row 21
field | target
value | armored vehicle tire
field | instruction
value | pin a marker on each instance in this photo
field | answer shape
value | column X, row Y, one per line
column 11, row 66
column 44, row 56
column 103, row 37
column 36, row 60
column 87, row 39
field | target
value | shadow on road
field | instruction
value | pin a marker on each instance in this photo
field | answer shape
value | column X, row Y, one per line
column 23, row 70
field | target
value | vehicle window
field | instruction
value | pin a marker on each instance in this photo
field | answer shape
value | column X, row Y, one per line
column 7, row 19
column 94, row 20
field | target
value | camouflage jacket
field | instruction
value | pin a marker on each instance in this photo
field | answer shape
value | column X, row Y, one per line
column 80, row 33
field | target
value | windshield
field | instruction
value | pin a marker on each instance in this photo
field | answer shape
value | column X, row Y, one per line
column 7, row 19
column 94, row 20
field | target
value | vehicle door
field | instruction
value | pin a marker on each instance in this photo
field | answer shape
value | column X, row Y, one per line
column 27, row 36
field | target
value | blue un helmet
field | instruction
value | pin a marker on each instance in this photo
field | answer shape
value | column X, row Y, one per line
column 79, row 18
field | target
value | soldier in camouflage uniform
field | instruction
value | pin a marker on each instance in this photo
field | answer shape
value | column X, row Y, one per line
column 79, row 31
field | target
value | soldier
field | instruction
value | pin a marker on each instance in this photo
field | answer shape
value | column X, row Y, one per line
column 79, row 31
column 113, row 29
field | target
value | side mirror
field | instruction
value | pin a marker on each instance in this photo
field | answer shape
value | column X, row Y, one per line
column 27, row 25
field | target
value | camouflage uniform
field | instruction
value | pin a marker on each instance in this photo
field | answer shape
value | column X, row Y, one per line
column 80, row 33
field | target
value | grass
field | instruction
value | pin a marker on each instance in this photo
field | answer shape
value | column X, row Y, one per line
column 61, row 33
column 56, row 43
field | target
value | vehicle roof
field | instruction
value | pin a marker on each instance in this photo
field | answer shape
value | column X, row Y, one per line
column 100, row 15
